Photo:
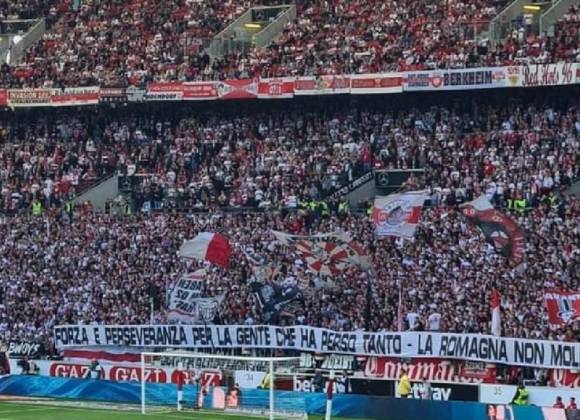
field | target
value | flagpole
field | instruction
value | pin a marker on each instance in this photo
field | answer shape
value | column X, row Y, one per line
column 400, row 306
column 369, row 301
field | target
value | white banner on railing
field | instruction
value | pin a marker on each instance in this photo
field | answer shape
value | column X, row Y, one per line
column 485, row 348
column 458, row 79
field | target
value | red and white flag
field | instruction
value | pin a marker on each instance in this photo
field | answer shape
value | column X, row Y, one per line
column 495, row 312
column 398, row 214
column 327, row 254
column 562, row 307
column 208, row 246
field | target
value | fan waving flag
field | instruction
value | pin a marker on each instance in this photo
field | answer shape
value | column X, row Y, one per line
column 398, row 214
column 498, row 228
column 328, row 254
column 207, row 246
column 495, row 313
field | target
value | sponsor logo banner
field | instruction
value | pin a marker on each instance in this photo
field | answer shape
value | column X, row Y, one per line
column 441, row 392
column 376, row 83
column 562, row 307
column 462, row 79
column 322, row 85
column 477, row 347
column 124, row 372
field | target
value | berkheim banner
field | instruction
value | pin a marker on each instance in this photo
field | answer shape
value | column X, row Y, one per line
column 484, row 348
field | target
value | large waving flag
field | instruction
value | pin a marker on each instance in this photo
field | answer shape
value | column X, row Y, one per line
column 212, row 247
column 398, row 214
column 328, row 254
column 498, row 228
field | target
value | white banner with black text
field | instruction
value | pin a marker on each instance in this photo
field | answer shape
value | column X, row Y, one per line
column 485, row 348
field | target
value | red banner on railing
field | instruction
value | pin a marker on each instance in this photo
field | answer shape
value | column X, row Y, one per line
column 238, row 89
column 376, row 83
column 275, row 88
column 562, row 307
column 195, row 91
column 322, row 85
column 432, row 370
column 76, row 96
column 287, row 87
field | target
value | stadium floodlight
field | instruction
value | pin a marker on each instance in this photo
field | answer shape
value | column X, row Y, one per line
column 231, row 384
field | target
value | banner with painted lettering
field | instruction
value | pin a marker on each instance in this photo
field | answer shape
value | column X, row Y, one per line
column 322, row 85
column 76, row 96
column 282, row 88
column 27, row 98
column 112, row 94
column 364, row 84
column 199, row 91
column 461, row 79
column 431, row 369
column 186, row 303
column 562, row 307
column 484, row 348
column 18, row 349
column 534, row 75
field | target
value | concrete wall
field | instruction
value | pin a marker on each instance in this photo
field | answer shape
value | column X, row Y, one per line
column 99, row 194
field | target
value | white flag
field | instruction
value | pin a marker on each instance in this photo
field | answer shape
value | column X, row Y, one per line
column 398, row 214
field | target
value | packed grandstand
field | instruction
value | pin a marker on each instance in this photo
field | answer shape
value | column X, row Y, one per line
column 263, row 173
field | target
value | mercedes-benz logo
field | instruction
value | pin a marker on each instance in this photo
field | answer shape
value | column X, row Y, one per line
column 383, row 179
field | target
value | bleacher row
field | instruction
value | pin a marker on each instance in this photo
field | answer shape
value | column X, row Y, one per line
column 110, row 43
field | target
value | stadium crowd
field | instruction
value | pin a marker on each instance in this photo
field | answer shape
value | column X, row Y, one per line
column 110, row 44
column 63, row 264
column 253, row 160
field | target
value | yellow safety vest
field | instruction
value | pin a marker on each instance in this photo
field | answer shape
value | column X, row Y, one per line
column 36, row 208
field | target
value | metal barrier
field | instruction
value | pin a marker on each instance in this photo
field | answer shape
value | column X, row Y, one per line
column 35, row 30
column 558, row 9
column 501, row 24
column 270, row 32
column 236, row 39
